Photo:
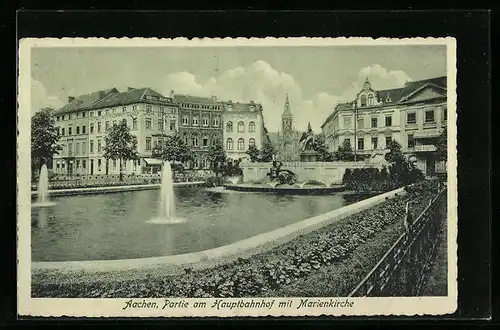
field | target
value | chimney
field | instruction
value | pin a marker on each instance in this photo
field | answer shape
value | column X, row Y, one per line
column 70, row 99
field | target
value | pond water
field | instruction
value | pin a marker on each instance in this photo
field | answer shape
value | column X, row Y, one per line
column 115, row 226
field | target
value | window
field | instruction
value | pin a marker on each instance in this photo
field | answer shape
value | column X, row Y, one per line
column 186, row 140
column 241, row 144
column 161, row 110
column 172, row 125
column 70, row 149
column 214, row 140
column 91, row 146
column 83, row 114
column 195, row 140
column 99, row 163
column 215, row 121
column 92, row 128
column 411, row 118
column 99, row 127
column 124, row 122
column 196, row 163
column 374, row 122
column 148, row 123
column 58, row 131
column 204, row 121
column 229, row 126
column 77, row 163
column 99, row 112
column 388, row 121
column 62, row 131
column 134, row 107
column 77, row 150
column 429, row 116
column 388, row 140
column 148, row 108
column 348, row 141
column 148, row 143
column 371, row 100
column 106, row 127
column 374, row 143
column 251, row 142
column 114, row 164
column 84, row 148
column 84, row 162
column 98, row 145
column 411, row 141
column 135, row 165
column 347, row 122
column 241, row 127
column 69, row 130
column 205, row 141
column 229, row 144
column 107, row 112
column 251, row 127
column 195, row 121
column 77, row 129
column 361, row 144
column 185, row 120
column 134, row 123
column 113, row 111
column 160, row 124
column 360, row 123
column 363, row 100
column 124, row 109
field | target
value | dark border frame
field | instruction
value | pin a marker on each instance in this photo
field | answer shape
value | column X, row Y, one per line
column 472, row 30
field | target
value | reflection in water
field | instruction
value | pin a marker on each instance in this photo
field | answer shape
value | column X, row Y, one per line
column 113, row 226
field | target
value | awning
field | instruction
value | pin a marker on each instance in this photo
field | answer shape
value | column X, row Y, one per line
column 426, row 134
column 152, row 161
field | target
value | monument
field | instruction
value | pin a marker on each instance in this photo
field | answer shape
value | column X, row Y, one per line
column 306, row 143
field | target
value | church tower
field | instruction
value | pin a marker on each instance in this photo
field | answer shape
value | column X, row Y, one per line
column 287, row 120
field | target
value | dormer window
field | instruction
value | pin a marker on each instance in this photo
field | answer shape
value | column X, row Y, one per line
column 363, row 100
column 371, row 100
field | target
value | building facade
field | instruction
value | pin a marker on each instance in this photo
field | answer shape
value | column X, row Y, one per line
column 414, row 115
column 287, row 140
column 243, row 126
column 150, row 116
column 200, row 126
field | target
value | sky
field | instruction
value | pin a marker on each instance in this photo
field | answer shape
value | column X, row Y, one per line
column 315, row 78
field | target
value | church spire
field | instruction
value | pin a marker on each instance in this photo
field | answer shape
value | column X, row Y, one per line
column 287, row 112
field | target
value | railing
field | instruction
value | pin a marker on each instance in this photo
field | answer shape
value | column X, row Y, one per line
column 402, row 270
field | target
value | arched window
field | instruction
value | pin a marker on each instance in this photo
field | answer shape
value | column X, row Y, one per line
column 229, row 126
column 215, row 139
column 371, row 100
column 251, row 142
column 241, row 144
column 204, row 121
column 363, row 100
column 251, row 126
column 241, row 127
column 186, row 139
column 195, row 140
column 195, row 121
column 229, row 144
column 215, row 121
column 205, row 141
column 185, row 120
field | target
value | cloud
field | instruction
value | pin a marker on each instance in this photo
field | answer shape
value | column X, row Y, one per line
column 262, row 83
column 40, row 99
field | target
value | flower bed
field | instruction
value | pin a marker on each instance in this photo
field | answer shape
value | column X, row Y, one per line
column 268, row 271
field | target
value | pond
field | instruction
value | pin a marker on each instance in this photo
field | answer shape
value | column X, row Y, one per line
column 115, row 226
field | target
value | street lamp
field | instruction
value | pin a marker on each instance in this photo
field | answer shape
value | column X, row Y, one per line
column 355, row 124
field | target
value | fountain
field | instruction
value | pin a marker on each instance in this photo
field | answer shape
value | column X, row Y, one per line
column 43, row 189
column 234, row 179
column 166, row 208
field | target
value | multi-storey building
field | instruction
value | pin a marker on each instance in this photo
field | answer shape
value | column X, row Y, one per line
column 200, row 126
column 150, row 116
column 414, row 115
column 243, row 126
column 72, row 123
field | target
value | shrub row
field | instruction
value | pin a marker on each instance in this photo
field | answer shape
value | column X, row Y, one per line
column 269, row 270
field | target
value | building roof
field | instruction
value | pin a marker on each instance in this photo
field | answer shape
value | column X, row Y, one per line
column 182, row 98
column 243, row 107
column 132, row 95
column 84, row 101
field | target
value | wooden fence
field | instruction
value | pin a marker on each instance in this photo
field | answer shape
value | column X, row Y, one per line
column 402, row 270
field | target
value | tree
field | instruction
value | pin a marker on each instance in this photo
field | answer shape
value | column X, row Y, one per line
column 217, row 158
column 253, row 153
column 442, row 146
column 321, row 148
column 120, row 145
column 175, row 150
column 344, row 152
column 267, row 152
column 44, row 138
column 401, row 170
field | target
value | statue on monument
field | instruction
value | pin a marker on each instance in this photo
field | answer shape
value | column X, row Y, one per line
column 306, row 142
